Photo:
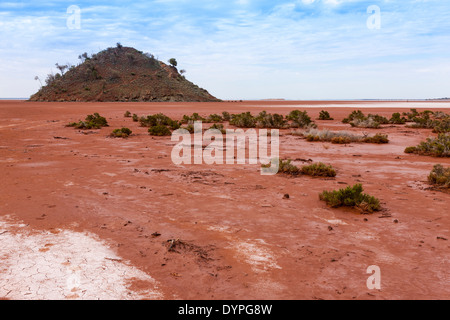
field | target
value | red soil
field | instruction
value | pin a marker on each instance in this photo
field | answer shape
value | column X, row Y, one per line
column 239, row 239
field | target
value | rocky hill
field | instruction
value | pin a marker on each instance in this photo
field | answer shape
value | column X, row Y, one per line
column 120, row 74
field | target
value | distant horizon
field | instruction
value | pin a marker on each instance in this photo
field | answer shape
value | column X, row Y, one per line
column 315, row 100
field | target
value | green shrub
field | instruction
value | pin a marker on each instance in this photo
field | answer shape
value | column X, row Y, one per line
column 97, row 120
column 410, row 150
column 243, row 120
column 437, row 147
column 189, row 128
column 359, row 120
column 127, row 114
column 159, row 130
column 443, row 126
column 214, row 118
column 319, row 170
column 410, row 115
column 353, row 116
column 226, row 116
column 92, row 121
column 438, row 121
column 378, row 118
column 158, row 119
column 300, row 119
column 190, row 119
column 267, row 120
column 219, row 127
column 288, row 168
column 285, row 167
column 135, row 117
column 397, row 119
column 440, row 176
column 121, row 133
column 325, row 115
column 351, row 197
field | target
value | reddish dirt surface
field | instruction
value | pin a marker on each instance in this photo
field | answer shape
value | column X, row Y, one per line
column 238, row 237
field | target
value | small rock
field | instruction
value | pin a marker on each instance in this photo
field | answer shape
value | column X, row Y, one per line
column 286, row 196
column 330, row 228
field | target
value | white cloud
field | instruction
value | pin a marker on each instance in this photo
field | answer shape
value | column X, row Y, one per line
column 244, row 49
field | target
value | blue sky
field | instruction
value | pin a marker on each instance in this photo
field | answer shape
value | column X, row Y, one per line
column 244, row 49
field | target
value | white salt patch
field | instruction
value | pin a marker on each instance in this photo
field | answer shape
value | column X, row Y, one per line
column 67, row 265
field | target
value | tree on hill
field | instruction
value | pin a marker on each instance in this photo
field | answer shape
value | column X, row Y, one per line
column 173, row 62
column 62, row 68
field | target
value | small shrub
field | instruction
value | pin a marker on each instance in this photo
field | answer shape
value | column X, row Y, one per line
column 214, row 118
column 437, row 147
column 219, row 127
column 121, row 133
column 243, row 120
column 190, row 128
column 300, row 119
column 92, row 121
column 158, row 119
column 267, row 120
column 378, row 118
column 410, row 150
column 378, row 138
column 341, row 140
column 319, row 170
column 97, row 120
column 368, row 122
column 359, row 120
column 159, row 130
column 285, row 167
column 440, row 176
column 190, row 119
column 288, row 168
column 353, row 116
column 443, row 126
column 127, row 114
column 410, row 115
column 351, row 197
column 397, row 119
column 226, row 116
column 341, row 137
column 438, row 121
column 312, row 138
column 325, row 115
column 135, row 117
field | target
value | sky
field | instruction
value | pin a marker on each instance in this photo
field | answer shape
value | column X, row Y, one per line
column 243, row 49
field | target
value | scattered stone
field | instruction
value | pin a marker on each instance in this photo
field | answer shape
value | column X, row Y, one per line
column 286, row 196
